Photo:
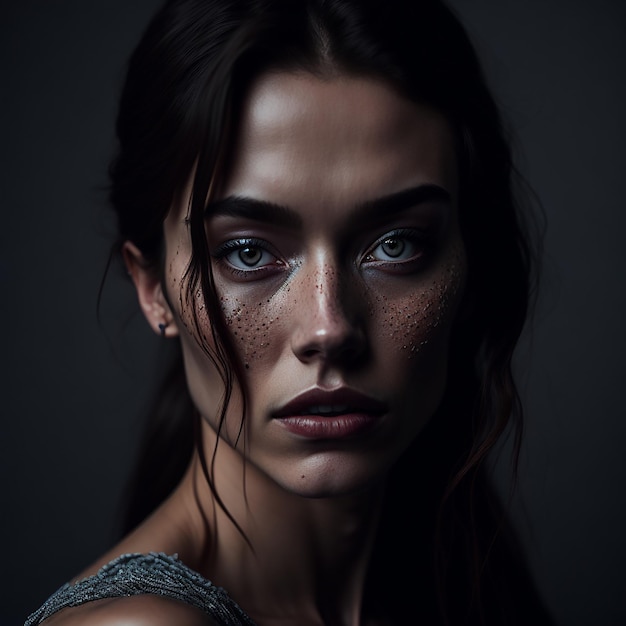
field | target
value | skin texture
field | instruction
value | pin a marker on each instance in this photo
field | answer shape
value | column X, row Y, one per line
column 343, row 288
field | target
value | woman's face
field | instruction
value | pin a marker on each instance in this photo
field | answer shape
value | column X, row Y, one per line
column 339, row 265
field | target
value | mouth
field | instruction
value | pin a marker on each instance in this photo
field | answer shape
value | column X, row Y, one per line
column 328, row 410
column 336, row 414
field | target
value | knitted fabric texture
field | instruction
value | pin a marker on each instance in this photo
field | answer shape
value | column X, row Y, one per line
column 154, row 573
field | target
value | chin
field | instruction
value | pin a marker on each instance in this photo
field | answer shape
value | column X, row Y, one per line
column 333, row 475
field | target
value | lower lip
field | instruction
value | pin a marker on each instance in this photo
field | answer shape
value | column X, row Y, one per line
column 336, row 427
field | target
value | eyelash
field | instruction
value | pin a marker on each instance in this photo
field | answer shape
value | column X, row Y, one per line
column 417, row 238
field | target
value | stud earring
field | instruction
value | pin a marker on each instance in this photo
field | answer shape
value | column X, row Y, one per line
column 162, row 328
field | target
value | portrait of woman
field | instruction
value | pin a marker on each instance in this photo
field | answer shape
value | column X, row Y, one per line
column 319, row 211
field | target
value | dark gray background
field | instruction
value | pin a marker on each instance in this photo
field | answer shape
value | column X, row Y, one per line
column 72, row 389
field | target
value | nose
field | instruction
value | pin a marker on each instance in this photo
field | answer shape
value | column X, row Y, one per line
column 328, row 319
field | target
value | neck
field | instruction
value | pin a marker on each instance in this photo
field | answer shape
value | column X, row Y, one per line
column 292, row 558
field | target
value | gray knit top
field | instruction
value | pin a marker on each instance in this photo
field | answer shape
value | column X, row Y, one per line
column 137, row 574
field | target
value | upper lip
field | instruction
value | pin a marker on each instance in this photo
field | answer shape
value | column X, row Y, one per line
column 346, row 399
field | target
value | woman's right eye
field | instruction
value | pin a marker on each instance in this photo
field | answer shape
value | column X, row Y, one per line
column 246, row 255
column 250, row 257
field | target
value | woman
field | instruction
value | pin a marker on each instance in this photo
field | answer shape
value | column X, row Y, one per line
column 314, row 202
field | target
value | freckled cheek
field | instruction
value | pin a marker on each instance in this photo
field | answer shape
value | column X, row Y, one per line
column 254, row 324
column 416, row 321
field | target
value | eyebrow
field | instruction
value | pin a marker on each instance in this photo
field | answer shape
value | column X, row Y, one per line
column 253, row 209
column 279, row 215
column 400, row 201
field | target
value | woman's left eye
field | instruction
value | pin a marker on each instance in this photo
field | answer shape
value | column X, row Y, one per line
column 396, row 247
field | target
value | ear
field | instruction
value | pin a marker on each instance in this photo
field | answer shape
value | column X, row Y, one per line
column 149, row 291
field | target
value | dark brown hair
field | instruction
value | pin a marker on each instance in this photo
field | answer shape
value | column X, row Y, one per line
column 180, row 106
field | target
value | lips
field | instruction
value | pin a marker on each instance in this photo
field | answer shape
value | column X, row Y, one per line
column 328, row 403
column 321, row 414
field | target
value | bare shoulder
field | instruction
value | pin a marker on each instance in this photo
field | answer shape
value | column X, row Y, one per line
column 144, row 610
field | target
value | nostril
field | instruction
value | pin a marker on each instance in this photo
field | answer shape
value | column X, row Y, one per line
column 344, row 348
column 354, row 348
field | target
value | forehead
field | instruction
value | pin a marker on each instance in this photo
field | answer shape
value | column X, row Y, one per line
column 305, row 141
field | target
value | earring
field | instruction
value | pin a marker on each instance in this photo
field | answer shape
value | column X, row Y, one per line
column 162, row 328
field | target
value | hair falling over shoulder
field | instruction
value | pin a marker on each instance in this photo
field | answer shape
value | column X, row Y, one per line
column 444, row 530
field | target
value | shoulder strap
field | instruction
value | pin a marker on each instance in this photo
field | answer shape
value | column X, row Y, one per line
column 153, row 573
